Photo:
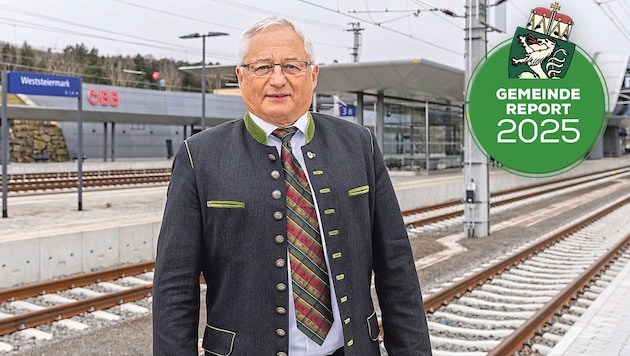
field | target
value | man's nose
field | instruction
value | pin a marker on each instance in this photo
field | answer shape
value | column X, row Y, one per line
column 277, row 75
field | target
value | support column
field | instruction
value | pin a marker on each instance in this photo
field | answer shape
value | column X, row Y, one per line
column 476, row 169
column 380, row 119
column 5, row 146
column 105, row 142
column 427, row 153
column 113, row 156
column 359, row 111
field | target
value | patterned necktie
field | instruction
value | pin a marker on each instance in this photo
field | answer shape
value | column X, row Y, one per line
column 311, row 292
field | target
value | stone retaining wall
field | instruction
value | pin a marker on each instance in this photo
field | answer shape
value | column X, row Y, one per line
column 31, row 140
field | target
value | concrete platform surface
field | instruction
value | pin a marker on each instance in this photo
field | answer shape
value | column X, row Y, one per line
column 45, row 236
column 605, row 327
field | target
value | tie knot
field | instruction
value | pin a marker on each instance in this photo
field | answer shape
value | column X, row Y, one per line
column 285, row 133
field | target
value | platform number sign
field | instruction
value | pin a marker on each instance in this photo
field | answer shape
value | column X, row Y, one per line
column 347, row 110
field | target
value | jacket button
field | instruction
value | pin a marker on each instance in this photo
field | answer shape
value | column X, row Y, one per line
column 281, row 310
column 279, row 239
column 281, row 287
column 280, row 262
column 275, row 174
column 280, row 332
column 281, row 354
column 278, row 215
column 276, row 194
column 272, row 157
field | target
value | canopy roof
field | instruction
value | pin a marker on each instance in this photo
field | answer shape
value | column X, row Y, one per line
column 416, row 78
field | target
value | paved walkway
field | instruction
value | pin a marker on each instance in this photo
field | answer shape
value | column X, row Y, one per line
column 605, row 328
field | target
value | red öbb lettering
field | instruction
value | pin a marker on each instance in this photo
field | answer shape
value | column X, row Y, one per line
column 103, row 97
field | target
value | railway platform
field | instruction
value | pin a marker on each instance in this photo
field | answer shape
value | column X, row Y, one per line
column 605, row 327
column 45, row 236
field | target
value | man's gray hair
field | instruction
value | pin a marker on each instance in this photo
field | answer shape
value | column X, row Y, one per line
column 271, row 21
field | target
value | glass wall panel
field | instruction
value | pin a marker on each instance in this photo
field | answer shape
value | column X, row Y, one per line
column 409, row 143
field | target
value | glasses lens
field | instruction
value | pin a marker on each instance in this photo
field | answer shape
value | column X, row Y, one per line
column 293, row 67
column 288, row 67
column 261, row 68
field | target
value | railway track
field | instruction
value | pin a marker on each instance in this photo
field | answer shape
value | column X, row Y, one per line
column 34, row 182
column 451, row 213
column 56, row 302
column 500, row 308
column 89, row 295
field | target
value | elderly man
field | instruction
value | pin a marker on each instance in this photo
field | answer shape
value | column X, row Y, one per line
column 287, row 214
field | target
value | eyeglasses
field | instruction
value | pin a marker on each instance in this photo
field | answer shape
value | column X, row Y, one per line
column 261, row 69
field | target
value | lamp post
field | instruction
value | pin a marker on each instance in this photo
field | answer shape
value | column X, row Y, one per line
column 203, row 69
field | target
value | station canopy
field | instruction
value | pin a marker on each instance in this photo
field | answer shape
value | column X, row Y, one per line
column 416, row 79
column 419, row 79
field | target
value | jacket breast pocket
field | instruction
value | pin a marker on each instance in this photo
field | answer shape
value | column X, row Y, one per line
column 373, row 328
column 218, row 341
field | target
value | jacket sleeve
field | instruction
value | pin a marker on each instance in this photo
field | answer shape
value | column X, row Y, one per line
column 396, row 280
column 178, row 264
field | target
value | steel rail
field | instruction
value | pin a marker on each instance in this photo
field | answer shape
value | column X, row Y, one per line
column 73, row 174
column 40, row 317
column 63, row 180
column 610, row 172
column 56, row 285
column 101, row 181
column 515, row 341
column 460, row 212
column 443, row 296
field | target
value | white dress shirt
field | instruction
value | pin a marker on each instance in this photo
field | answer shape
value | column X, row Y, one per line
column 300, row 344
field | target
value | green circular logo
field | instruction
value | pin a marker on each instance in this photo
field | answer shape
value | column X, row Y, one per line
column 537, row 117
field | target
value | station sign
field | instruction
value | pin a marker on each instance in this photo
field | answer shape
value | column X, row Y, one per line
column 347, row 110
column 43, row 84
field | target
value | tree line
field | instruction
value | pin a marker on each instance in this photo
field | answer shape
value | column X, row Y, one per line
column 124, row 71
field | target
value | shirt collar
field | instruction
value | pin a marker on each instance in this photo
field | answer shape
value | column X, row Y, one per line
column 268, row 128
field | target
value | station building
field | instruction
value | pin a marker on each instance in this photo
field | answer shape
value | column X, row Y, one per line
column 415, row 107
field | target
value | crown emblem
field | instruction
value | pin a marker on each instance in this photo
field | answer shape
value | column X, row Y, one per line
column 550, row 22
column 542, row 49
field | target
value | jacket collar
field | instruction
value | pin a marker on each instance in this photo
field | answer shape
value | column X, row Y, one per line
column 259, row 135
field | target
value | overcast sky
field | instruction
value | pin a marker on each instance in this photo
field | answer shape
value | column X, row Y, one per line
column 392, row 29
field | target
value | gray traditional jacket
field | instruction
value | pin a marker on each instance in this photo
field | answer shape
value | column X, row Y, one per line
column 223, row 219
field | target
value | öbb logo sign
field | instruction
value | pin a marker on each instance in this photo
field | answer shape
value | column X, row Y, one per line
column 103, row 97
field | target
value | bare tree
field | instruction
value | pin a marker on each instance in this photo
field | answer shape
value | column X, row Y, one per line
column 114, row 71
column 9, row 57
column 171, row 74
column 60, row 63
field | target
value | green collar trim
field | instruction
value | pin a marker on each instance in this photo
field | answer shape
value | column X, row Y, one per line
column 255, row 131
column 259, row 135
column 310, row 128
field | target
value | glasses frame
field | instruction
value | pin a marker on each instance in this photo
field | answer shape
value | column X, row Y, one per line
column 273, row 67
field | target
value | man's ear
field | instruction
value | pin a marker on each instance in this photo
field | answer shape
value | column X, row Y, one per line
column 239, row 75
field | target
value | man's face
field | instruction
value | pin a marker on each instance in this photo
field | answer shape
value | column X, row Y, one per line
column 277, row 98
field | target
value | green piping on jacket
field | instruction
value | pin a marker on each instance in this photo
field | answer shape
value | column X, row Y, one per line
column 225, row 204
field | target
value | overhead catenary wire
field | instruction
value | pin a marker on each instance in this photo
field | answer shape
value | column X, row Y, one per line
column 259, row 10
column 612, row 16
column 172, row 14
column 407, row 35
column 256, row 9
column 136, row 40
